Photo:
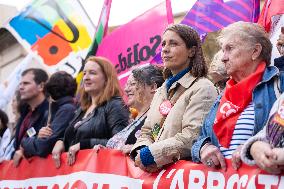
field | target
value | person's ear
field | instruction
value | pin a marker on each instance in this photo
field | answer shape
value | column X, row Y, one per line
column 41, row 86
column 191, row 51
column 154, row 87
column 256, row 51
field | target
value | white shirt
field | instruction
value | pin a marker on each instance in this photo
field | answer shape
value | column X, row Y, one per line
column 242, row 132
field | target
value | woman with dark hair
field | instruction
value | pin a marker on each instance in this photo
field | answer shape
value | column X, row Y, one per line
column 8, row 138
column 101, row 115
column 61, row 88
column 179, row 105
column 140, row 89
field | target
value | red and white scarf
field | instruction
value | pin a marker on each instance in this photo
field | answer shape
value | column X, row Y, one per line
column 235, row 99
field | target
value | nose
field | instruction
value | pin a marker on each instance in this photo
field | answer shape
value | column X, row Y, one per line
column 224, row 58
column 21, row 86
column 85, row 77
column 126, row 88
column 165, row 49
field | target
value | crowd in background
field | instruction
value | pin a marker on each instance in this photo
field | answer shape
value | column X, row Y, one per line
column 177, row 112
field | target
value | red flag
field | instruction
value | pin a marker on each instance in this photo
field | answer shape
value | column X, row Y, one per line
column 270, row 9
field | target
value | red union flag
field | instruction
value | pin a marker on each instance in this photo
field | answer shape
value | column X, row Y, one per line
column 110, row 169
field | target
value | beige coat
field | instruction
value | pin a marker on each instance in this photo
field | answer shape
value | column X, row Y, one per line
column 183, row 122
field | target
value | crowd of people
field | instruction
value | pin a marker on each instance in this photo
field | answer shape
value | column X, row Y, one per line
column 180, row 113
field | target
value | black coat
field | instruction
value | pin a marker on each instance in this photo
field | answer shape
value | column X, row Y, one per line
column 104, row 122
column 62, row 111
column 279, row 63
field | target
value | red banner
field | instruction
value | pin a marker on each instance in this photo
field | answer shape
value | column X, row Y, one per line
column 110, row 169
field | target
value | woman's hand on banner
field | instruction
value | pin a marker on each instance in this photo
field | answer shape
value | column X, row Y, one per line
column 126, row 149
column 18, row 156
column 71, row 156
column 56, row 153
column 212, row 157
column 263, row 155
column 98, row 147
column 236, row 158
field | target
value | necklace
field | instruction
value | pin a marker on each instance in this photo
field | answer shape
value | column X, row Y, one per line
column 142, row 115
column 89, row 111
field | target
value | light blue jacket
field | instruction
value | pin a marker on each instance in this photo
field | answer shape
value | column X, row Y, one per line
column 263, row 98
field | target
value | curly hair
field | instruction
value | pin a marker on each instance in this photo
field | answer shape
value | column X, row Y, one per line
column 191, row 39
column 61, row 84
column 148, row 75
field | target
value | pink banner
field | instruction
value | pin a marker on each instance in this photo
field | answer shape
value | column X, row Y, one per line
column 138, row 41
column 110, row 169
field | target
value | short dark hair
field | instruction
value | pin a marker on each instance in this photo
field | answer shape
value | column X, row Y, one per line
column 148, row 75
column 4, row 118
column 40, row 76
column 191, row 38
column 61, row 84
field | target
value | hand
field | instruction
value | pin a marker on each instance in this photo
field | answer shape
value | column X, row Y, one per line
column 150, row 168
column 71, row 156
column 126, row 149
column 138, row 162
column 18, row 156
column 280, row 42
column 236, row 158
column 44, row 132
column 278, row 156
column 98, row 147
column 212, row 157
column 263, row 156
column 56, row 153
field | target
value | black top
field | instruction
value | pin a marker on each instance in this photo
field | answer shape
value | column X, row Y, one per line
column 279, row 63
column 62, row 111
column 131, row 139
column 99, row 126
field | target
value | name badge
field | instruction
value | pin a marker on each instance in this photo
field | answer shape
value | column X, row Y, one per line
column 165, row 107
column 31, row 132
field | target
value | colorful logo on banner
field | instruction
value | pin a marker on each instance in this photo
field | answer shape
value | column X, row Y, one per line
column 138, row 41
column 58, row 31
